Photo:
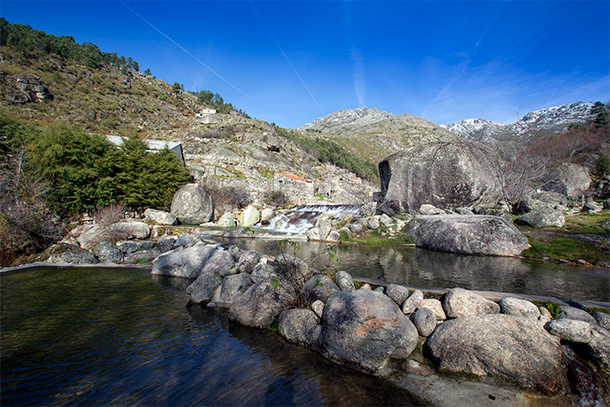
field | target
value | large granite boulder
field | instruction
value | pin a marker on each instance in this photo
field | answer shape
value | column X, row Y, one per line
column 467, row 234
column 133, row 229
column 262, row 302
column 299, row 326
column 365, row 329
column 204, row 287
column 108, row 252
column 319, row 287
column 192, row 205
column 231, row 288
column 88, row 236
column 160, row 217
column 514, row 348
column 541, row 218
column 65, row 253
column 250, row 216
column 575, row 177
column 460, row 303
column 186, row 263
column 447, row 175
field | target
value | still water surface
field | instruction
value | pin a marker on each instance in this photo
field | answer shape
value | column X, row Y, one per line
column 427, row 268
column 85, row 336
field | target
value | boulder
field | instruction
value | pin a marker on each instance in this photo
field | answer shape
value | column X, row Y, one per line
column 247, row 261
column 446, row 174
column 266, row 215
column 167, row 244
column 511, row 347
column 108, row 252
column 519, row 307
column 568, row 312
column 602, row 319
column 262, row 302
column 227, row 220
column 160, row 217
column 204, row 287
column 250, row 216
column 328, row 221
column 575, row 177
column 141, row 256
column 365, row 329
column 318, row 307
column 398, row 293
column 319, row 287
column 187, row 240
column 192, row 205
column 133, row 229
column 262, row 271
column 299, row 326
column 186, row 263
column 427, row 209
column 411, row 303
column 344, row 280
column 591, row 207
column 231, row 288
column 460, row 303
column 542, row 218
column 469, row 234
column 88, row 236
column 599, row 345
column 435, row 306
column 424, row 320
column 221, row 263
column 65, row 253
column 570, row 329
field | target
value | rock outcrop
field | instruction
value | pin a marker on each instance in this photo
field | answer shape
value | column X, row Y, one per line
column 444, row 174
column 467, row 234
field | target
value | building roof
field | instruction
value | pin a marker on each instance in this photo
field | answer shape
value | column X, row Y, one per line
column 294, row 177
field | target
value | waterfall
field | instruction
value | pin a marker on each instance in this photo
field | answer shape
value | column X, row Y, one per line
column 302, row 218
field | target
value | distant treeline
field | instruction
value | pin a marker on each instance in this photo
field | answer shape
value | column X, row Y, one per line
column 28, row 40
column 327, row 151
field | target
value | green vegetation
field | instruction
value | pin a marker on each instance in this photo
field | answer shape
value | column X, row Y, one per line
column 559, row 247
column 552, row 307
column 375, row 237
column 331, row 152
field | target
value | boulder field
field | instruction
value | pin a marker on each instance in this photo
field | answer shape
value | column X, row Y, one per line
column 392, row 330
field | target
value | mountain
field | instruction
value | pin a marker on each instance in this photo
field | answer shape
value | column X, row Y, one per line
column 373, row 134
column 532, row 127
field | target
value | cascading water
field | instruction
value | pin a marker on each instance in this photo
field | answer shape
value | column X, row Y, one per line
column 302, row 218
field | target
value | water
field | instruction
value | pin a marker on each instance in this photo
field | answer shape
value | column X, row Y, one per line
column 91, row 336
column 302, row 218
column 427, row 268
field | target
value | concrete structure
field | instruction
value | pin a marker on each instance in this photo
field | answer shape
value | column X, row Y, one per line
column 299, row 189
column 155, row 145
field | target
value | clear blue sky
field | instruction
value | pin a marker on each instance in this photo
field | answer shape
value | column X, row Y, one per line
column 290, row 62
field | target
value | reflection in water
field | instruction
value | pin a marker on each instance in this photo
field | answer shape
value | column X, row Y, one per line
column 123, row 337
column 429, row 268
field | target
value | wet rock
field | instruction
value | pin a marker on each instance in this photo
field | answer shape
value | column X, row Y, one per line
column 160, row 217
column 344, row 280
column 262, row 302
column 192, row 205
column 476, row 234
column 424, row 320
column 570, row 330
column 398, row 293
column 507, row 346
column 519, row 307
column 365, row 329
column 460, row 303
column 299, row 326
column 319, row 287
column 185, row 263
column 204, row 287
column 108, row 252
column 412, row 302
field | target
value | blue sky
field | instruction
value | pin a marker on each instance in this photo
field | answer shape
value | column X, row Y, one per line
column 290, row 62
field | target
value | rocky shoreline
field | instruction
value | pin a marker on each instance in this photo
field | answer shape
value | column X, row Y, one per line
column 515, row 353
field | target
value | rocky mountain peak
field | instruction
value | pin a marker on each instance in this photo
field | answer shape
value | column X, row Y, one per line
column 335, row 122
column 530, row 128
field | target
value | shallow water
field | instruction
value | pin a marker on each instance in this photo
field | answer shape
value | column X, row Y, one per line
column 84, row 336
column 427, row 268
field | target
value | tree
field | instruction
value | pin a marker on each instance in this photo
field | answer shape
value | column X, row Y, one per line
column 601, row 112
column 147, row 72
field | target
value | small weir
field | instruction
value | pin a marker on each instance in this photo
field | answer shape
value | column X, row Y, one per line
column 302, row 218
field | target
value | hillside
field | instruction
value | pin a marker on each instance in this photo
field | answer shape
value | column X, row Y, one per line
column 530, row 128
column 372, row 134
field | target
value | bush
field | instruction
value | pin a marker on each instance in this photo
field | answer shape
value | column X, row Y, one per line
column 228, row 198
column 602, row 165
column 276, row 198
